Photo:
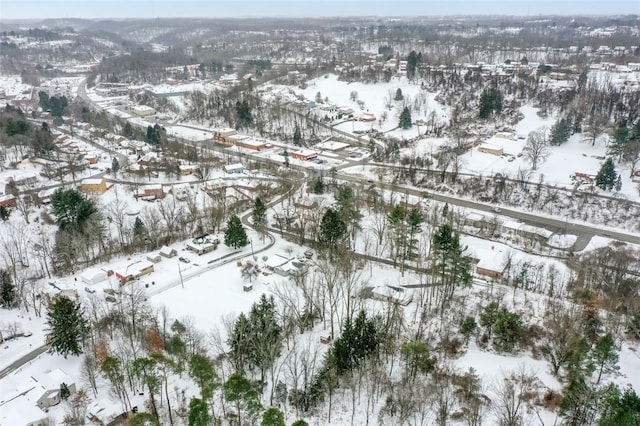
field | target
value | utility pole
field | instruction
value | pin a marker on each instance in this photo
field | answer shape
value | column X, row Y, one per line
column 180, row 273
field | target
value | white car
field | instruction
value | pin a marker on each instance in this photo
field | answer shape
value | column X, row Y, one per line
column 496, row 209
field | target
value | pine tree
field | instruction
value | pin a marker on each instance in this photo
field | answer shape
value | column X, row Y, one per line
column 4, row 213
column 619, row 408
column 71, row 209
column 606, row 177
column 398, row 96
column 412, row 63
column 115, row 166
column 273, row 417
column 490, row 103
column 333, row 230
column 67, row 326
column 318, row 187
column 508, row 331
column 405, row 119
column 560, row 132
column 235, row 236
column 7, row 289
column 127, row 131
column 139, row 232
column 202, row 372
column 259, row 216
column 199, row 413
column 604, row 355
column 239, row 391
column 297, row 136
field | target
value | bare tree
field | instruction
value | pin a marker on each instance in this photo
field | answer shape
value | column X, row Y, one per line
column 536, row 149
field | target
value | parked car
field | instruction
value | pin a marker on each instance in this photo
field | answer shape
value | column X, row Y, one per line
column 89, row 290
column 184, row 260
column 110, row 299
column 496, row 209
column 27, row 334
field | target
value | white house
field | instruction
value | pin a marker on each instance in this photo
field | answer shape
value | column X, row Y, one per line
column 167, row 252
column 234, row 168
column 21, row 411
column 93, row 276
column 49, row 385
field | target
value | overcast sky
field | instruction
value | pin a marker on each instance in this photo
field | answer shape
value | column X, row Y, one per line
column 30, row 9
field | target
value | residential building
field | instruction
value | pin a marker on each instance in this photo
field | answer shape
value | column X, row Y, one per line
column 304, row 154
column 93, row 186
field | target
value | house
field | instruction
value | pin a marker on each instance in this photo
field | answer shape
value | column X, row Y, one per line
column 20, row 410
column 252, row 144
column 492, row 265
column 93, row 276
column 143, row 110
column 203, row 244
column 275, row 261
column 168, row 252
column 634, row 66
column 133, row 270
column 50, row 385
column 304, row 154
column 8, row 200
column 234, row 168
column 491, row 149
column 154, row 257
column 188, row 169
column 152, row 191
column 93, row 186
column 367, row 116
column 286, row 269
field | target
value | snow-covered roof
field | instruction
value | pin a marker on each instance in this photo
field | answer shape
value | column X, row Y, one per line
column 275, row 261
column 92, row 274
column 21, row 411
column 92, row 181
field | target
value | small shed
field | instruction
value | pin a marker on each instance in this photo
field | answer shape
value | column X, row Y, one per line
column 93, row 276
column 168, row 252
column 154, row 257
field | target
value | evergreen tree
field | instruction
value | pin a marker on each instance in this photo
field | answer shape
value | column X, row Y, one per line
column 405, row 119
column 71, row 209
column 606, row 177
column 235, row 236
column 489, row 316
column 259, row 216
column 358, row 341
column 468, row 327
column 4, row 213
column 508, row 331
column 333, row 230
column 256, row 340
column 243, row 114
column 272, row 417
column 198, row 413
column 452, row 267
column 490, row 103
column 621, row 136
column 239, row 391
column 67, row 327
column 318, row 187
column 297, row 136
column 299, row 422
column 7, row 290
column 560, row 132
column 127, row 131
column 43, row 98
column 412, row 64
column 139, row 231
column 115, row 166
column 619, row 408
column 398, row 96
column 604, row 356
column 202, row 372
column 417, row 359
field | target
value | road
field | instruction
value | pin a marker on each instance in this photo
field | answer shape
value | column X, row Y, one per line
column 534, row 219
column 23, row 360
column 584, row 231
